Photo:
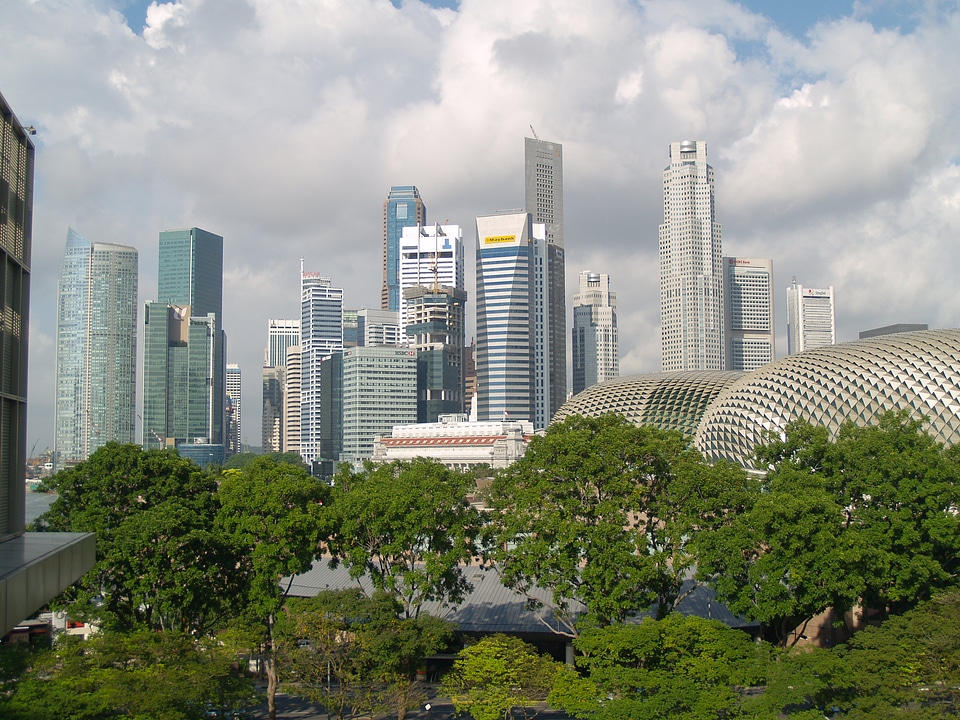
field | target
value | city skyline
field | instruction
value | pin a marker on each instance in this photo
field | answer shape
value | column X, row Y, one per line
column 833, row 141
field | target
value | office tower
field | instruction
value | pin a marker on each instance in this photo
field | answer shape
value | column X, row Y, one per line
column 291, row 401
column 96, row 348
column 470, row 379
column 234, row 436
column 281, row 334
column 402, row 208
column 321, row 335
column 543, row 182
column 36, row 566
column 377, row 327
column 691, row 311
column 271, row 424
column 430, row 257
column 351, row 322
column 596, row 346
column 892, row 330
column 811, row 320
column 183, row 353
column 748, row 325
column 379, row 391
column 435, row 330
column 505, row 328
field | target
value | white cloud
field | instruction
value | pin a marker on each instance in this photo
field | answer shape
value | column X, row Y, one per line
column 282, row 124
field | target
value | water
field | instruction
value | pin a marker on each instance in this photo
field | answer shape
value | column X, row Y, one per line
column 37, row 504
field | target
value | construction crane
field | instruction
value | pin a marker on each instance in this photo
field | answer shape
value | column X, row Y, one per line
column 534, row 134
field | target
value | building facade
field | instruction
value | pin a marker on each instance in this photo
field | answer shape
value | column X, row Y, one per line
column 377, row 327
column 234, row 432
column 291, row 400
column 543, row 185
column 596, row 344
column 37, row 566
column 691, row 310
column 281, row 334
column 748, row 317
column 96, row 348
column 379, row 391
column 811, row 318
column 184, row 371
column 321, row 335
column 271, row 424
column 403, row 208
column 431, row 257
column 505, row 319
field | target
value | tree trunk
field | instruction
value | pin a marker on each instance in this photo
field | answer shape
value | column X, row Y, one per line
column 270, row 665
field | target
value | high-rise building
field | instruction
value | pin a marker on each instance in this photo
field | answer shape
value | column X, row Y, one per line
column 543, row 184
column 403, row 208
column 691, row 309
column 234, row 436
column 379, row 391
column 271, row 425
column 281, row 334
column 291, row 400
column 37, row 566
column 811, row 318
column 430, row 257
column 596, row 345
column 377, row 327
column 748, row 320
column 505, row 319
column 96, row 348
column 435, row 330
column 183, row 354
column 321, row 335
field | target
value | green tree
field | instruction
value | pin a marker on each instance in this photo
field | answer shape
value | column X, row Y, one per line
column 158, row 553
column 272, row 512
column 356, row 652
column 594, row 514
column 140, row 674
column 410, row 526
column 498, row 674
column 869, row 517
column 682, row 667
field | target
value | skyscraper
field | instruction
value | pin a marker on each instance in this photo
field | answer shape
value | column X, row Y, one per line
column 596, row 348
column 96, row 348
column 321, row 335
column 281, row 334
column 748, row 320
column 183, row 353
column 377, row 327
column 234, row 433
column 402, row 208
column 691, row 311
column 291, row 400
column 430, row 256
column 543, row 184
column 811, row 318
column 271, row 424
column 505, row 318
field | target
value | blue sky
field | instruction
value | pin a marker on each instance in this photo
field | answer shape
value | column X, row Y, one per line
column 833, row 129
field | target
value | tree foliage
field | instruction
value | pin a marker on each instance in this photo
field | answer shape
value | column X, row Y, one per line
column 139, row 674
column 498, row 674
column 273, row 513
column 410, row 526
column 594, row 513
column 158, row 553
column 870, row 517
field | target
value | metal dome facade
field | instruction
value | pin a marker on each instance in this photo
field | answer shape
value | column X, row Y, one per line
column 917, row 371
column 669, row 400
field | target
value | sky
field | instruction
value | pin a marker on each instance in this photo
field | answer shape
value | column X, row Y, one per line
column 833, row 129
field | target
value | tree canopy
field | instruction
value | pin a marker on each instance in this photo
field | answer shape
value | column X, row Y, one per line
column 410, row 526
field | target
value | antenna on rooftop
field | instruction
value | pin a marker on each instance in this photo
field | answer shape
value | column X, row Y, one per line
column 534, row 134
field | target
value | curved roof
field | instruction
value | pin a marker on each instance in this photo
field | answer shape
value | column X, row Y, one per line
column 918, row 371
column 670, row 400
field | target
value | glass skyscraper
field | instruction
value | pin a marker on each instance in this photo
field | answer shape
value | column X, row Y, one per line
column 96, row 348
column 402, row 208
column 596, row 349
column 183, row 360
column 691, row 311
